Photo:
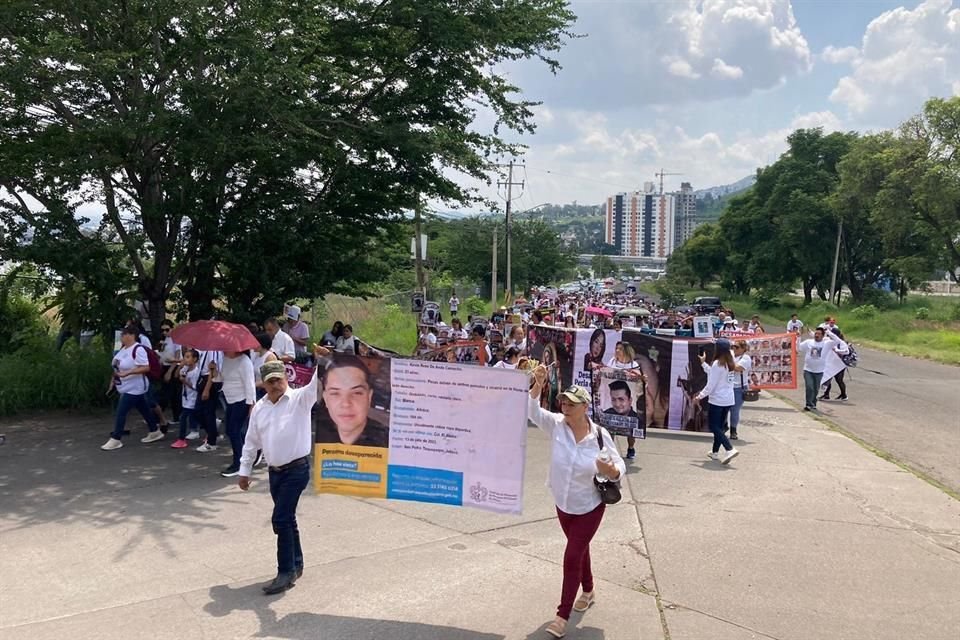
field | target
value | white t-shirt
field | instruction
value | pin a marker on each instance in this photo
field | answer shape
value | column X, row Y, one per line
column 188, row 397
column 742, row 378
column 301, row 331
column 454, row 304
column 258, row 361
column 795, row 326
column 616, row 364
column 206, row 357
column 346, row 345
column 815, row 354
column 145, row 341
column 127, row 359
column 282, row 345
column 503, row 364
column 170, row 353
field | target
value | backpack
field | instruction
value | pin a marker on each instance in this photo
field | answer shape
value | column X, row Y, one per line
column 852, row 358
column 156, row 368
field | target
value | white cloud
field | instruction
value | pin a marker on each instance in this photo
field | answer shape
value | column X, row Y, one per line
column 907, row 56
column 723, row 70
column 840, row 55
column 646, row 53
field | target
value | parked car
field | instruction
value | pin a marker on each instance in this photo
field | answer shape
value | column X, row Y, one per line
column 707, row 305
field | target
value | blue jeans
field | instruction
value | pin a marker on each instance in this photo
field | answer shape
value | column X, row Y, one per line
column 811, row 387
column 188, row 417
column 127, row 402
column 285, row 489
column 717, row 419
column 236, row 427
column 735, row 409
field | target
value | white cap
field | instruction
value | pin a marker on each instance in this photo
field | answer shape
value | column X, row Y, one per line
column 293, row 312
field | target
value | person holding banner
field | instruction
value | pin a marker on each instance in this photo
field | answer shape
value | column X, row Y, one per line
column 719, row 392
column 815, row 351
column 574, row 461
column 280, row 426
column 740, row 383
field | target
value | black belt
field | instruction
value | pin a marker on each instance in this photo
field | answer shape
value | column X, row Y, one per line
column 293, row 464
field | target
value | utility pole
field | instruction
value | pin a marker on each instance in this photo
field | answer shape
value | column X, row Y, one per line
column 836, row 261
column 418, row 251
column 493, row 277
column 509, row 228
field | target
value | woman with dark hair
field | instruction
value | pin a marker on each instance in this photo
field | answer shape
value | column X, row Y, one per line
column 598, row 345
column 240, row 392
column 260, row 356
column 719, row 390
column 130, row 368
column 511, row 358
column 330, row 337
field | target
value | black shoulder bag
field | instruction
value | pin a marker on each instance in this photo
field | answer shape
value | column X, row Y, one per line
column 609, row 490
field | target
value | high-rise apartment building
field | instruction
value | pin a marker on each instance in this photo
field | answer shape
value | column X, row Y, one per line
column 644, row 224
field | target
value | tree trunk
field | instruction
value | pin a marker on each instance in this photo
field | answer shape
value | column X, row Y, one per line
column 807, row 290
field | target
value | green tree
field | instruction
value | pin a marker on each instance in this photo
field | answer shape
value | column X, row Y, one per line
column 705, row 253
column 603, row 266
column 255, row 150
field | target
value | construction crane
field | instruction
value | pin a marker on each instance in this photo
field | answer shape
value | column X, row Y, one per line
column 662, row 173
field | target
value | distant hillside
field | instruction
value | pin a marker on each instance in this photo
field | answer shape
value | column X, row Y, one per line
column 727, row 189
column 710, row 202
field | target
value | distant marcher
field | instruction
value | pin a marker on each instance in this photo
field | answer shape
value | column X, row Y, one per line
column 841, row 349
column 458, row 333
column 281, row 426
column 741, row 383
column 346, row 343
column 720, row 398
column 511, row 358
column 454, row 303
column 624, row 357
column 330, row 337
column 130, row 368
column 575, row 459
column 795, row 325
column 169, row 354
column 814, row 351
column 259, row 357
column 240, row 392
column 209, row 386
column 297, row 330
column 517, row 339
column 281, row 343
column 188, row 374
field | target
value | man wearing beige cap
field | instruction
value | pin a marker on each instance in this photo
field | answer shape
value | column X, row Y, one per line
column 280, row 426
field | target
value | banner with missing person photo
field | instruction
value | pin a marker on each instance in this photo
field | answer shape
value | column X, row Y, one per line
column 774, row 358
column 438, row 432
column 619, row 401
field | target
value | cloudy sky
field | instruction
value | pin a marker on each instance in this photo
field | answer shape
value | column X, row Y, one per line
column 710, row 88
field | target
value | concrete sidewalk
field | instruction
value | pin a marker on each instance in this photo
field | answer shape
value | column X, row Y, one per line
column 806, row 535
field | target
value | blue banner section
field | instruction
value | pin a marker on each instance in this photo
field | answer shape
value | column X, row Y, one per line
column 340, row 464
column 424, row 485
column 337, row 474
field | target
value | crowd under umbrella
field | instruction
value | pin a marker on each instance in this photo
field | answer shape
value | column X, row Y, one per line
column 215, row 335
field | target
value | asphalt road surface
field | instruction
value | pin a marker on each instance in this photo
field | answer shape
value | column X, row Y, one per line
column 902, row 406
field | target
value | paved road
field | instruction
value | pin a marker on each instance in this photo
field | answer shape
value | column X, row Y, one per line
column 906, row 407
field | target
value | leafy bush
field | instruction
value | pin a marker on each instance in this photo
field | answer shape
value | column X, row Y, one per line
column 671, row 292
column 880, row 299
column 472, row 306
column 955, row 312
column 20, row 320
column 923, row 313
column 765, row 300
column 864, row 312
column 37, row 376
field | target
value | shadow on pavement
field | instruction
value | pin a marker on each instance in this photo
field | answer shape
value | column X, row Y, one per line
column 315, row 626
column 52, row 470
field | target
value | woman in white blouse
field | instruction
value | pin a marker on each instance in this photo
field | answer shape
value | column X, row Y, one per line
column 573, row 464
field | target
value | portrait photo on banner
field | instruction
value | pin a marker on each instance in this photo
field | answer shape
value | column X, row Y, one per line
column 553, row 347
column 620, row 401
column 354, row 406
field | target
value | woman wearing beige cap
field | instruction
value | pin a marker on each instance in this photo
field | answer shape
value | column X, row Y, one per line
column 575, row 458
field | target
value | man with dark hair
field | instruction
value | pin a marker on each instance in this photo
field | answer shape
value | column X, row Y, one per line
column 347, row 396
column 621, row 399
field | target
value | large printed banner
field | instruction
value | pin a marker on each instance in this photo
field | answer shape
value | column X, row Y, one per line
column 553, row 347
column 425, row 431
column 594, row 349
column 671, row 368
column 774, row 358
column 462, row 351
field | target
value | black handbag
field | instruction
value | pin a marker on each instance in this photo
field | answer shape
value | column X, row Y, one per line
column 609, row 490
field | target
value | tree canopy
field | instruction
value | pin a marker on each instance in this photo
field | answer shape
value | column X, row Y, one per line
column 247, row 153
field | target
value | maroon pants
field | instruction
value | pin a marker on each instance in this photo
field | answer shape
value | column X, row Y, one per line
column 576, row 557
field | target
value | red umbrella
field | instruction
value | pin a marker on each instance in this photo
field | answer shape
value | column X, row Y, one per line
column 599, row 311
column 215, row 335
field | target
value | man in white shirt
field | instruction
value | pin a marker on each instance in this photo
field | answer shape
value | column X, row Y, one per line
column 454, row 304
column 795, row 325
column 281, row 343
column 280, row 426
column 297, row 330
column 815, row 351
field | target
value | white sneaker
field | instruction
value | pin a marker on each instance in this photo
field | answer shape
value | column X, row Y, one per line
column 713, row 456
column 733, row 453
column 204, row 448
column 111, row 444
column 193, row 435
column 153, row 436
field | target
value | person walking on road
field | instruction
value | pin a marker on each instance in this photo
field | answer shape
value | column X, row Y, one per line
column 130, row 368
column 720, row 398
column 741, row 383
column 574, row 461
column 840, row 350
column 280, row 427
column 815, row 353
column 240, row 392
